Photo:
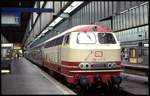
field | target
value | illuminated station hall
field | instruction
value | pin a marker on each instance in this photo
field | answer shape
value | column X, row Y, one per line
column 84, row 48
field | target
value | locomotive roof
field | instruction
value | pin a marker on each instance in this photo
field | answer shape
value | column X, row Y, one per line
column 89, row 28
column 80, row 28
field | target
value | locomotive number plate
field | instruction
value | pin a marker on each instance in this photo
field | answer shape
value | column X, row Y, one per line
column 98, row 54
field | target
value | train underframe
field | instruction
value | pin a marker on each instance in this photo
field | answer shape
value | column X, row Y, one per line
column 85, row 79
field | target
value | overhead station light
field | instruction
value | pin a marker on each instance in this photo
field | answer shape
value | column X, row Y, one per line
column 73, row 6
column 39, row 36
column 5, row 71
column 7, row 45
column 50, row 28
column 57, row 20
column 35, row 39
column 44, row 31
column 64, row 15
column 29, row 45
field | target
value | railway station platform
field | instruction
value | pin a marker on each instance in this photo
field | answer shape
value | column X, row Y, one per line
column 26, row 78
column 145, row 66
column 135, row 79
column 135, row 88
column 138, row 69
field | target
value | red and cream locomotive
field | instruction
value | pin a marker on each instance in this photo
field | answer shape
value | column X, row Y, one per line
column 85, row 54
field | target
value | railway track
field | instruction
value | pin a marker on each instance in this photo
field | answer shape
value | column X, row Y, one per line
column 136, row 69
column 102, row 92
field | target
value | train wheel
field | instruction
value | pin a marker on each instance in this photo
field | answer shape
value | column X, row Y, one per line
column 114, row 88
column 69, row 85
column 110, row 86
column 104, row 87
column 78, row 88
column 51, row 72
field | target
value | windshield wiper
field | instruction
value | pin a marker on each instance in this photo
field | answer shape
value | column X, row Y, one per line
column 88, row 36
column 88, row 55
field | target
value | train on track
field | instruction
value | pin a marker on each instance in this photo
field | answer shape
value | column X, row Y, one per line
column 85, row 55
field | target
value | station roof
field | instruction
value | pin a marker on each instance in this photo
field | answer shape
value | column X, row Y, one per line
column 15, row 34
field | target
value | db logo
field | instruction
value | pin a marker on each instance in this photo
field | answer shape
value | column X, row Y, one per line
column 98, row 53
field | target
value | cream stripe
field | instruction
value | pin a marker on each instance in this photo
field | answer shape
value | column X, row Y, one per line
column 66, row 75
column 69, row 66
column 76, row 71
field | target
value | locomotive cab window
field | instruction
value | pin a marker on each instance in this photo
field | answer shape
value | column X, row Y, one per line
column 86, row 38
column 106, row 38
column 67, row 38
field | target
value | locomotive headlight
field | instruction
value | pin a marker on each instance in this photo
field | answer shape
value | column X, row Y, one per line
column 88, row 66
column 113, row 65
column 109, row 65
column 84, row 66
column 81, row 65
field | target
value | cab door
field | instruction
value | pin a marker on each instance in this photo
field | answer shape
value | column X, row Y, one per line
column 65, row 47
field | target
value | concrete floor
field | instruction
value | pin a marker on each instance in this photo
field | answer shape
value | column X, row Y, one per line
column 27, row 78
column 135, row 87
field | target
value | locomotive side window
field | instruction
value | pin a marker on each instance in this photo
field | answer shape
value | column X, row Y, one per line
column 106, row 38
column 86, row 38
